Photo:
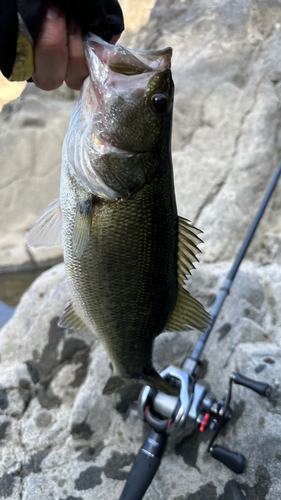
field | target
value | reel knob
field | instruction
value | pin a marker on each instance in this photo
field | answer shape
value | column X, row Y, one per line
column 260, row 387
column 234, row 461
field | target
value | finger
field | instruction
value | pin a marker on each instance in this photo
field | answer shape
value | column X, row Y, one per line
column 77, row 69
column 51, row 52
column 115, row 39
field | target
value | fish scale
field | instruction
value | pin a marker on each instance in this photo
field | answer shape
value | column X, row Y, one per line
column 130, row 239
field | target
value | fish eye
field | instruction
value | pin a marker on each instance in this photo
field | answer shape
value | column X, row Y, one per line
column 159, row 103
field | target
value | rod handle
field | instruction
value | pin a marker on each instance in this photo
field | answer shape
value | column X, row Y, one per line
column 234, row 461
column 145, row 466
column 140, row 477
column 260, row 387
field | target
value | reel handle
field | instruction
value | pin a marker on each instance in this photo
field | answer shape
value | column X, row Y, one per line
column 234, row 461
column 260, row 387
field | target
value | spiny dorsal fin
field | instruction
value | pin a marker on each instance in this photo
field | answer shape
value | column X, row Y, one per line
column 188, row 312
column 47, row 229
column 187, row 248
column 82, row 226
column 70, row 318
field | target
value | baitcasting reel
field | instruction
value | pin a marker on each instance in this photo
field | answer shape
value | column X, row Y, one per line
column 194, row 407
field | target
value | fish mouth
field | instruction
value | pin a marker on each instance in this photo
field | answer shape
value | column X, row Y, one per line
column 116, row 70
column 104, row 58
column 117, row 75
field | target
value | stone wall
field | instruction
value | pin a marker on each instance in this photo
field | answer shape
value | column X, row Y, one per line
column 32, row 129
column 227, row 119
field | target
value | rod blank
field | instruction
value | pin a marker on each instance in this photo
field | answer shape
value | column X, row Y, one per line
column 232, row 273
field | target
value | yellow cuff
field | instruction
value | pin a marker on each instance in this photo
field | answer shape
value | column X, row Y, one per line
column 24, row 63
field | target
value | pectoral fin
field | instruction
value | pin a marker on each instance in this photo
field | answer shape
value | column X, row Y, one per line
column 188, row 312
column 82, row 226
column 70, row 318
column 47, row 229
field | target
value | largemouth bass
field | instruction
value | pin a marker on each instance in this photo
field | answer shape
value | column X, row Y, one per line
column 126, row 251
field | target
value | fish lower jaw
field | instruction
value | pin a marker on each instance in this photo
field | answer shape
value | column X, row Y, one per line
column 103, row 145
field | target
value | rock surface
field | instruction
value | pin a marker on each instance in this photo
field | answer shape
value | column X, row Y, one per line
column 62, row 439
column 32, row 130
column 227, row 119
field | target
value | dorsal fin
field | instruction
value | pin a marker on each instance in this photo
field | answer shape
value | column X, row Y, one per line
column 188, row 312
column 47, row 229
column 187, row 248
column 70, row 318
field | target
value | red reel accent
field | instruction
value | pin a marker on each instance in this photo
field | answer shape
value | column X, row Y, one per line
column 205, row 422
column 145, row 412
column 169, row 423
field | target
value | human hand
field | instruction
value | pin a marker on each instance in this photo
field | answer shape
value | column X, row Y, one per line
column 59, row 53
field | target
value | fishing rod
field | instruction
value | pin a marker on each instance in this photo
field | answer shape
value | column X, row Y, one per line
column 195, row 406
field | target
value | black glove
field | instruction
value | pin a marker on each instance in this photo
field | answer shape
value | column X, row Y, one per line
column 20, row 23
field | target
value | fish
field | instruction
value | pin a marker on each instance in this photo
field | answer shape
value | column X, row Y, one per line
column 127, row 253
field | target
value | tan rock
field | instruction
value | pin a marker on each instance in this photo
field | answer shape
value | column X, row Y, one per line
column 226, row 67
column 31, row 135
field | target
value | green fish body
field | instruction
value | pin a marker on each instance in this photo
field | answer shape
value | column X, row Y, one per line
column 126, row 251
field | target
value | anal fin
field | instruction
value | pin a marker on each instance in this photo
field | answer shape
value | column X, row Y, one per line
column 70, row 318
